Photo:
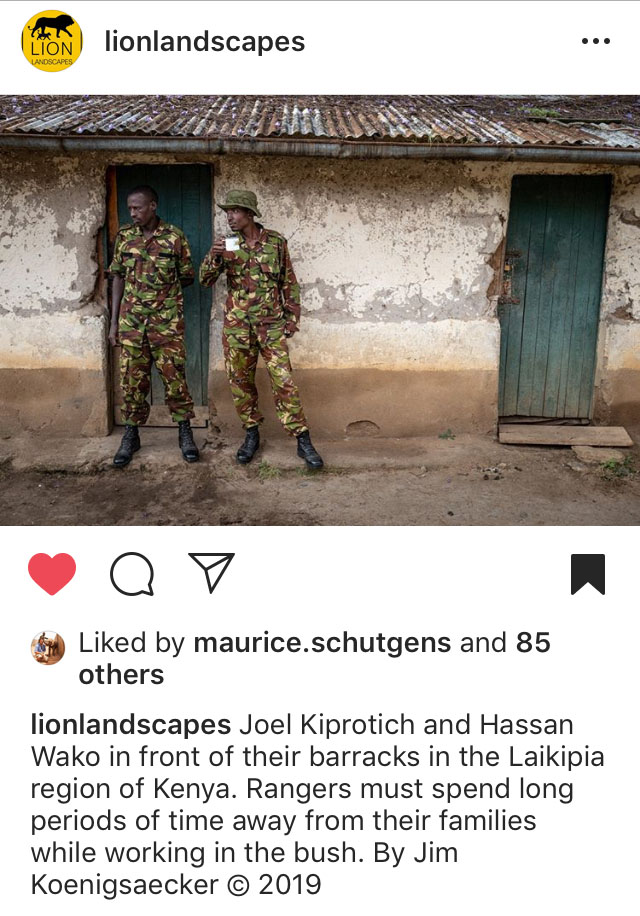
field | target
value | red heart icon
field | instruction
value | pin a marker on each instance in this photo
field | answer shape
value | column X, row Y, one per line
column 52, row 573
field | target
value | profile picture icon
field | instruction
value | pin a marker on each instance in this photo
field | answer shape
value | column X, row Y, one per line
column 51, row 40
column 47, row 647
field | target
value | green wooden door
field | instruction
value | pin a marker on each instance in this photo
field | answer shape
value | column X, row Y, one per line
column 184, row 193
column 552, row 284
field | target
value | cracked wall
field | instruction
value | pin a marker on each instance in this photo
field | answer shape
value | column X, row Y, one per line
column 53, row 355
column 399, row 264
column 618, row 375
column 380, row 241
column 393, row 263
column 51, row 210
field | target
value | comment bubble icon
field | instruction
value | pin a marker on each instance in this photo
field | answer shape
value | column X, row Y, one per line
column 132, row 574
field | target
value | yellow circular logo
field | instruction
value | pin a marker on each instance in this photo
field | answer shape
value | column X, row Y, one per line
column 52, row 40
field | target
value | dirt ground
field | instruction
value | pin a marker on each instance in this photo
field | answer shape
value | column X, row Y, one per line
column 461, row 481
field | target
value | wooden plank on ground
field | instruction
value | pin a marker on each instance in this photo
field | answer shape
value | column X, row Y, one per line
column 532, row 434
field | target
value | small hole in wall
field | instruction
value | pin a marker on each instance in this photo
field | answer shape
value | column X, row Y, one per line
column 360, row 428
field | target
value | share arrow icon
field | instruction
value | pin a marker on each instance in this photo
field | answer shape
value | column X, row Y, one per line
column 215, row 566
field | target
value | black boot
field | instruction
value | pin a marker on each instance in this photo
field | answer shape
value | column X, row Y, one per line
column 308, row 452
column 188, row 447
column 250, row 445
column 130, row 444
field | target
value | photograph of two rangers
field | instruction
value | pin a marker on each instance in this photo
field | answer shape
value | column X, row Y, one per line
column 151, row 265
column 456, row 280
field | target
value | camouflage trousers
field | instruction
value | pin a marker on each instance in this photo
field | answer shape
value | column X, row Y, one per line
column 140, row 348
column 241, row 348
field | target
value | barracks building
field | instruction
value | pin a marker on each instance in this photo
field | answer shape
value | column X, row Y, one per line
column 461, row 259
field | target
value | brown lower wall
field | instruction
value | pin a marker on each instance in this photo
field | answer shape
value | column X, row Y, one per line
column 55, row 402
column 399, row 403
column 70, row 402
column 622, row 397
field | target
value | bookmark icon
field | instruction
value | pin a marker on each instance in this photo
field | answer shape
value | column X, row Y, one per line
column 587, row 568
column 214, row 565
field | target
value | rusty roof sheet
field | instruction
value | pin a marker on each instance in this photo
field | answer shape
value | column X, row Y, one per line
column 602, row 122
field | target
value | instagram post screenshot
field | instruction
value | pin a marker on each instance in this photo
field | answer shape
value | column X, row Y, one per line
column 320, row 456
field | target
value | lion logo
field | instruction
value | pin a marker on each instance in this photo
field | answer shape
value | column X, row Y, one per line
column 60, row 24
column 52, row 40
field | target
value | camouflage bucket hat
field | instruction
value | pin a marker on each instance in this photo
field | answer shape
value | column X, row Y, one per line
column 246, row 199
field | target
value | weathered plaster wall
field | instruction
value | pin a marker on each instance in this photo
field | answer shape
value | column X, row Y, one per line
column 618, row 374
column 53, row 357
column 617, row 377
column 393, row 263
column 380, row 241
column 397, row 263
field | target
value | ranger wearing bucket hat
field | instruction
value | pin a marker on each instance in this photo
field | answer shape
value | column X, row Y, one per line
column 262, row 310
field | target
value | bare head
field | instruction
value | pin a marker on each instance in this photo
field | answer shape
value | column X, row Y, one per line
column 142, row 203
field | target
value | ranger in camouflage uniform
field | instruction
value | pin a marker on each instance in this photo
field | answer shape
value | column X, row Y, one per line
column 262, row 310
column 151, row 263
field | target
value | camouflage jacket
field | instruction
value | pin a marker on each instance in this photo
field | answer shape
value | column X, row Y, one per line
column 261, row 286
column 152, row 268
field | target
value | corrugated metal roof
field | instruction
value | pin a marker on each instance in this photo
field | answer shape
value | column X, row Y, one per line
column 602, row 122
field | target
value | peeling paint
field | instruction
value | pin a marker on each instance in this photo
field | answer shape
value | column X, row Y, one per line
column 623, row 312
column 52, row 210
column 630, row 218
column 399, row 261
column 393, row 241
